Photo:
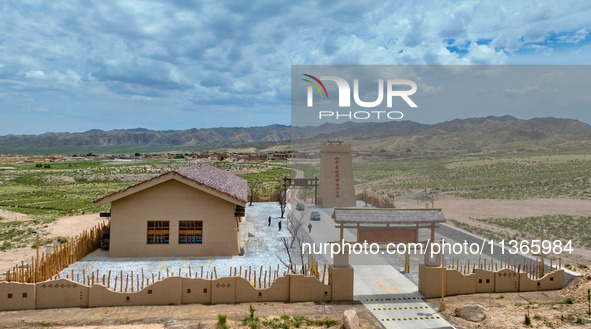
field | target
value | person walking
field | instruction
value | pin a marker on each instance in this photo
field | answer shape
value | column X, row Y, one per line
column 310, row 228
column 269, row 220
column 279, row 225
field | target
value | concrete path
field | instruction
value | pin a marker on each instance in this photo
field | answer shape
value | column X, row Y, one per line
column 391, row 297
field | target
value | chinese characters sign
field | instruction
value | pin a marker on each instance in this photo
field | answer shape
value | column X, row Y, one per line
column 337, row 178
column 387, row 235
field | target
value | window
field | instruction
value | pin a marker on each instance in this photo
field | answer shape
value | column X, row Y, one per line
column 190, row 231
column 158, row 231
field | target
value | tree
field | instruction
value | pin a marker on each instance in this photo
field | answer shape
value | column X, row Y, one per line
column 281, row 196
column 294, row 226
column 254, row 190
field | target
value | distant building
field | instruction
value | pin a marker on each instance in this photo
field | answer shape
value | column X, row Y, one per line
column 190, row 212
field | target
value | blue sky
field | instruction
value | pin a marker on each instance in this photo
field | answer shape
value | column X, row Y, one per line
column 79, row 65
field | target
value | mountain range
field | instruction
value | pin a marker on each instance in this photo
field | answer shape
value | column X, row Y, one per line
column 472, row 134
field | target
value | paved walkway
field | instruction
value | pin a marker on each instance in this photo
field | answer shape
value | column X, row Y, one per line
column 390, row 296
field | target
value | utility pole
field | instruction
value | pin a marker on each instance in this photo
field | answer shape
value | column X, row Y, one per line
column 541, row 251
column 442, row 303
column 589, row 301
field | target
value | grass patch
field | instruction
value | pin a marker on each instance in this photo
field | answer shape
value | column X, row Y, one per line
column 69, row 188
column 499, row 176
column 483, row 232
column 286, row 321
column 567, row 300
column 271, row 179
column 561, row 227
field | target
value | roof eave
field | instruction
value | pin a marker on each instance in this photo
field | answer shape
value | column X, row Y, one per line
column 146, row 184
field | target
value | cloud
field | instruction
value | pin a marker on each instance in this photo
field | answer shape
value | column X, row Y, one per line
column 574, row 38
column 522, row 91
column 209, row 54
column 35, row 74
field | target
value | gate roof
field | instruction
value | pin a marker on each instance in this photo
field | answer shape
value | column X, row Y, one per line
column 387, row 216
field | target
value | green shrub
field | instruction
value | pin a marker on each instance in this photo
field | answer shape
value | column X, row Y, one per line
column 567, row 300
column 222, row 318
column 251, row 310
column 527, row 320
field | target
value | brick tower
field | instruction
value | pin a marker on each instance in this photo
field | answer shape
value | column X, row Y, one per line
column 337, row 188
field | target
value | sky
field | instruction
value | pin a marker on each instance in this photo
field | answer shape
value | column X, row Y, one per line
column 81, row 65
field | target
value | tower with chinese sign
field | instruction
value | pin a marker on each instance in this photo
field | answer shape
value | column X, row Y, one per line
column 337, row 188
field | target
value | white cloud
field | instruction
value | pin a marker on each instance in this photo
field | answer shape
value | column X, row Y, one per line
column 484, row 54
column 35, row 74
column 522, row 91
column 185, row 53
column 574, row 38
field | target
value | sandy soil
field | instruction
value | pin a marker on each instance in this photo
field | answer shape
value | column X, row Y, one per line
column 508, row 312
column 73, row 225
column 181, row 316
column 465, row 210
column 65, row 226
column 122, row 326
column 12, row 216
column 502, row 313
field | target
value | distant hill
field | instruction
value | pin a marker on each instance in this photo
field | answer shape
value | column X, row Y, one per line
column 467, row 135
column 472, row 134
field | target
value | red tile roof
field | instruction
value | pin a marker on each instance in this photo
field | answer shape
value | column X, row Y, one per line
column 217, row 179
column 206, row 175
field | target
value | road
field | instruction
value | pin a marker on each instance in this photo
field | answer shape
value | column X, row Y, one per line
column 391, row 297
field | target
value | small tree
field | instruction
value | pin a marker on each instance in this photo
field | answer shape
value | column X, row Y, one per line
column 294, row 226
column 281, row 198
column 254, row 190
column 289, row 262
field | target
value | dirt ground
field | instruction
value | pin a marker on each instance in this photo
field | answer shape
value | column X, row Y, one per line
column 507, row 310
column 459, row 209
column 465, row 210
column 180, row 316
column 65, row 226
column 502, row 312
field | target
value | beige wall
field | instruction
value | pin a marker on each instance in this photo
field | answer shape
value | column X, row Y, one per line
column 17, row 296
column 196, row 291
column 165, row 292
column 176, row 290
column 61, row 293
column 458, row 284
column 174, row 201
column 307, row 288
column 326, row 192
column 505, row 280
column 223, row 290
column 485, row 280
column 279, row 291
column 553, row 280
column 430, row 281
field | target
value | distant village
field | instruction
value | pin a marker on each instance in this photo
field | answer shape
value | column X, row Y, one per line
column 46, row 160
